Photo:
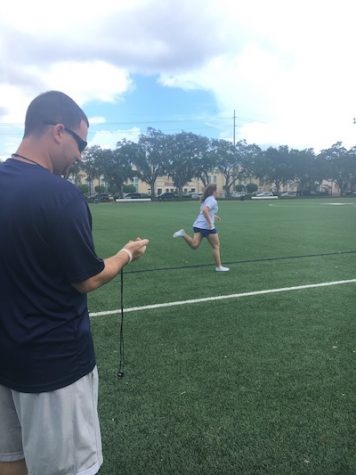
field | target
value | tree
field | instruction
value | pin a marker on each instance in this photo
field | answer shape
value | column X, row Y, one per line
column 251, row 187
column 100, row 189
column 204, row 161
column 352, row 158
column 235, row 162
column 248, row 154
column 275, row 166
column 225, row 155
column 341, row 166
column 150, row 157
column 307, row 170
column 117, row 166
column 129, row 189
column 184, row 148
column 75, row 173
column 90, row 164
column 83, row 188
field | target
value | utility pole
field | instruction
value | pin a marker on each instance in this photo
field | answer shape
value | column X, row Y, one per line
column 234, row 128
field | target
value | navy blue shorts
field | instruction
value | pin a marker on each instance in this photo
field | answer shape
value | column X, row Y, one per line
column 205, row 232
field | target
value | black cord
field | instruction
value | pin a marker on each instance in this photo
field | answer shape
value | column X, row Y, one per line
column 245, row 261
column 120, row 373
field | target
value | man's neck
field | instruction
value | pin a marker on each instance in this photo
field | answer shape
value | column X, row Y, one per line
column 32, row 154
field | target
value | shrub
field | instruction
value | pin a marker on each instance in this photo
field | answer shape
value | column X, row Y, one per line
column 251, row 188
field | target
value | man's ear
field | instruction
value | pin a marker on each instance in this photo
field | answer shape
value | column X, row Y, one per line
column 57, row 132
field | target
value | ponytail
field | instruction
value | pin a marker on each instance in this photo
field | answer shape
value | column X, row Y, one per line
column 209, row 190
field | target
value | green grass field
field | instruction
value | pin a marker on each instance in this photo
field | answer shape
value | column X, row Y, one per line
column 262, row 384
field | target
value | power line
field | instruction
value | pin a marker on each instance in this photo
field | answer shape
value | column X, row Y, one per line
column 163, row 129
column 154, row 121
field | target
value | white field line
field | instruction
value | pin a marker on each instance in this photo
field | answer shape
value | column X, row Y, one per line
column 224, row 297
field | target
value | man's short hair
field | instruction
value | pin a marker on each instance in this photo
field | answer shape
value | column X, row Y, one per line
column 52, row 107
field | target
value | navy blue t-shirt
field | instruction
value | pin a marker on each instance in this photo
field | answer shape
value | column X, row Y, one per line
column 45, row 245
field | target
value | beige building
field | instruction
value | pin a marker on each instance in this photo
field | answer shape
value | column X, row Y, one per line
column 165, row 184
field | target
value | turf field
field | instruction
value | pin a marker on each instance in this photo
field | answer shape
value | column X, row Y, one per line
column 258, row 383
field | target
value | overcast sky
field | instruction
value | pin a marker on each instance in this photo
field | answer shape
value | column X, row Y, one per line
column 287, row 67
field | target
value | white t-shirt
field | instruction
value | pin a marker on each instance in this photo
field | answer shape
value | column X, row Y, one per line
column 201, row 221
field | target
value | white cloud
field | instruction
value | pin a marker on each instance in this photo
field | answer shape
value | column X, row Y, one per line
column 85, row 81
column 145, row 36
column 291, row 78
column 90, row 51
column 286, row 67
column 97, row 120
column 108, row 139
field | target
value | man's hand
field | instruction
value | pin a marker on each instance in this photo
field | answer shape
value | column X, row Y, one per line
column 137, row 248
column 113, row 265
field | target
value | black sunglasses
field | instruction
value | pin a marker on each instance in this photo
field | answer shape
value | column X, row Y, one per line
column 80, row 142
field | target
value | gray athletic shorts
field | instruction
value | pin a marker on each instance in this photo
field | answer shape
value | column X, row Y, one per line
column 56, row 432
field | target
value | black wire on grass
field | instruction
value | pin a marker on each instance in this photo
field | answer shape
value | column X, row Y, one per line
column 245, row 261
column 120, row 372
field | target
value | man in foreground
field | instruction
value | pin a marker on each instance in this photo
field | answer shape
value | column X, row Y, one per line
column 48, row 378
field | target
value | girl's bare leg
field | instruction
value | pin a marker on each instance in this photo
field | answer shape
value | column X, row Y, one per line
column 215, row 244
column 13, row 468
column 193, row 242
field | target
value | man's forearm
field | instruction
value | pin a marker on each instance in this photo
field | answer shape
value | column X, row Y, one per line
column 113, row 265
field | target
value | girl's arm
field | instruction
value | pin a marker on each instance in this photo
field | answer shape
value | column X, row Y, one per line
column 207, row 217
